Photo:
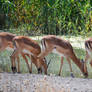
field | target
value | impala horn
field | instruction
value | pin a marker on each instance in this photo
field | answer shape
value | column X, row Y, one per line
column 48, row 62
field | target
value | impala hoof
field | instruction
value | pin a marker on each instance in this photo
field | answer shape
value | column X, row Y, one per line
column 72, row 75
column 58, row 74
column 30, row 72
column 86, row 75
column 19, row 72
column 14, row 70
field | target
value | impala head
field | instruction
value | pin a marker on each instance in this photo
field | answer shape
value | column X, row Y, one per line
column 42, row 65
column 84, row 68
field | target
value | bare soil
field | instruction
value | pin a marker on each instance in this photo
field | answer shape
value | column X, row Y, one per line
column 42, row 83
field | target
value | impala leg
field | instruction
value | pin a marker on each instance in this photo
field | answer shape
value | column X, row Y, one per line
column 44, row 65
column 62, row 58
column 69, row 62
column 28, row 65
column 18, row 62
column 13, row 64
column 87, row 56
column 31, row 66
column 31, row 62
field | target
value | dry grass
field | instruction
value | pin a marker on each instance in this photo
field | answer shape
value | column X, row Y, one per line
column 45, row 86
column 41, row 83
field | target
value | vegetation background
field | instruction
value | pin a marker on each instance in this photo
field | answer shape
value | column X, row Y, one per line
column 34, row 18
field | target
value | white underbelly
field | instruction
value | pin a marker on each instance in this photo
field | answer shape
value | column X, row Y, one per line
column 56, row 52
column 27, row 52
column 9, row 49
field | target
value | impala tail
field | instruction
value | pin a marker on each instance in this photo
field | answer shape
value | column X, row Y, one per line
column 43, row 44
column 88, row 45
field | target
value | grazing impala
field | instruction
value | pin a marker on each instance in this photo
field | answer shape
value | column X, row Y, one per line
column 6, row 43
column 88, row 47
column 51, row 43
column 23, row 44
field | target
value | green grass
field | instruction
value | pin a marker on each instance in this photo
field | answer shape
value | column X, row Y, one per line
column 5, row 64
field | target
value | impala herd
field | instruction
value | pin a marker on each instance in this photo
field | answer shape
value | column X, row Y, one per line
column 25, row 46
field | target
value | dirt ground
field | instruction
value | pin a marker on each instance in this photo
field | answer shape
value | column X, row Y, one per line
column 42, row 83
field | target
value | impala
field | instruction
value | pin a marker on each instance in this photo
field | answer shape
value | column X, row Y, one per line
column 88, row 47
column 51, row 43
column 24, row 44
column 6, row 43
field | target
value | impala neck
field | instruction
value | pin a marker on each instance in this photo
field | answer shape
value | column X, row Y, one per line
column 77, row 62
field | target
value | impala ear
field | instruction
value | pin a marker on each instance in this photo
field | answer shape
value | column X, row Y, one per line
column 48, row 63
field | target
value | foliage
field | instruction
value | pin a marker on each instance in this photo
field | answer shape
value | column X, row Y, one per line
column 49, row 16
